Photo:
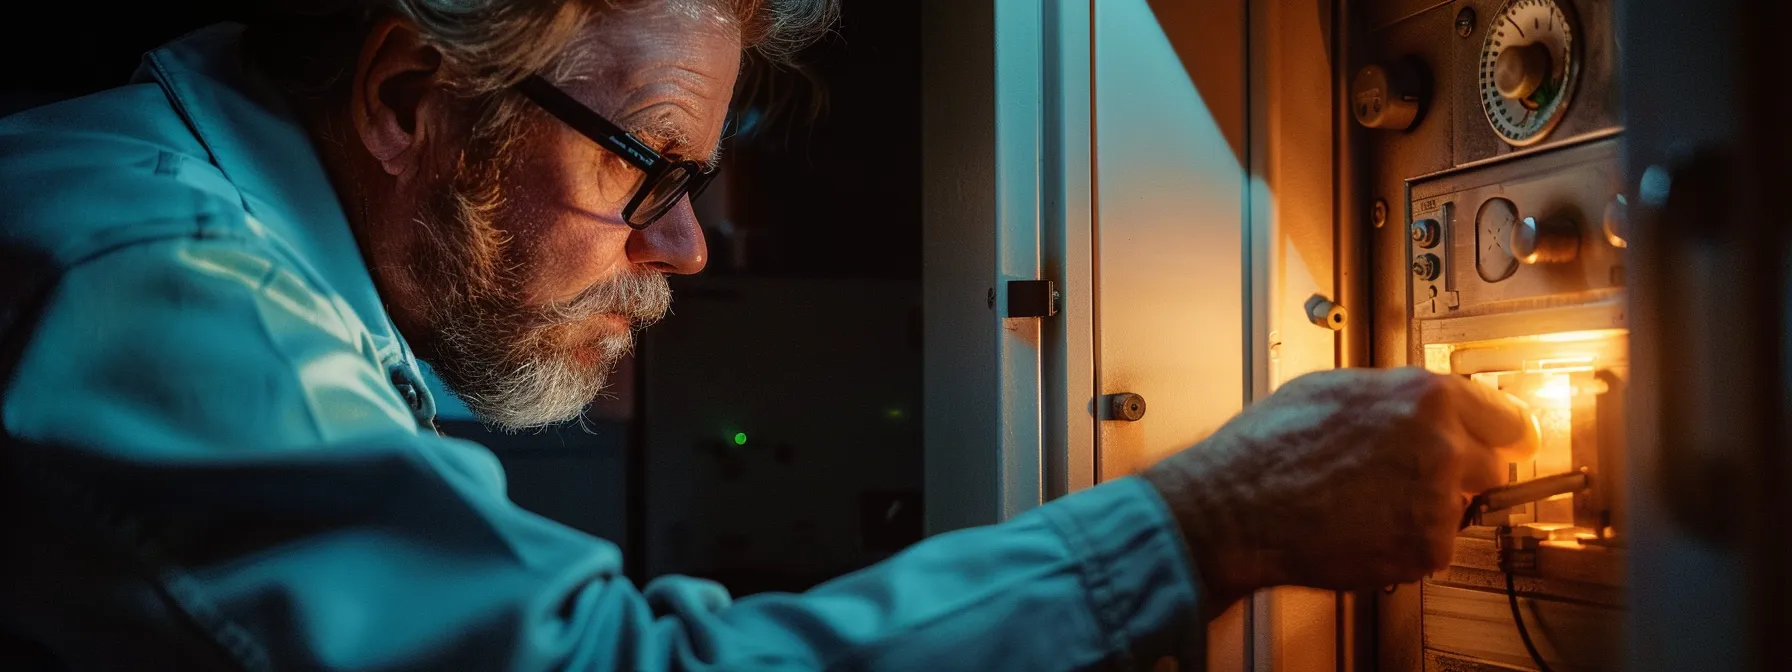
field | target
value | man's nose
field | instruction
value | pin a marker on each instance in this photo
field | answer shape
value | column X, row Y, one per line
column 674, row 244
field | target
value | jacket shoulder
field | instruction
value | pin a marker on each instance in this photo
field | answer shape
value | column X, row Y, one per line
column 83, row 176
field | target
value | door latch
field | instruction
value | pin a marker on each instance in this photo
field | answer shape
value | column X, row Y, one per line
column 1032, row 298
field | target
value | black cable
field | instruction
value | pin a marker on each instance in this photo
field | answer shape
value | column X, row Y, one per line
column 1523, row 632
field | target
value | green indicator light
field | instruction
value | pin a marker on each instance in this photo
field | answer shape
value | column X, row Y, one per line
column 740, row 438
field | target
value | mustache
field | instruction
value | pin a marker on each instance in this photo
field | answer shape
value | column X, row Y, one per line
column 644, row 297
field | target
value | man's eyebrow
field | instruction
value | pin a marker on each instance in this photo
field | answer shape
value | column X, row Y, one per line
column 660, row 128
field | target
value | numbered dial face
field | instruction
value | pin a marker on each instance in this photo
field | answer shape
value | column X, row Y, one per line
column 1528, row 69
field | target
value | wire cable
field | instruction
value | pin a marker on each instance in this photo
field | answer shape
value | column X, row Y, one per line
column 1523, row 632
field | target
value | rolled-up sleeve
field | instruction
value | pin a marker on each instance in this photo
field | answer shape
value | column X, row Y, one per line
column 216, row 425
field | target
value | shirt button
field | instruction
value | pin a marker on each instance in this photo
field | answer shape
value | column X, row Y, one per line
column 406, row 389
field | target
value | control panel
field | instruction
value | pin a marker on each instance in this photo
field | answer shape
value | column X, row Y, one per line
column 1489, row 136
column 1515, row 235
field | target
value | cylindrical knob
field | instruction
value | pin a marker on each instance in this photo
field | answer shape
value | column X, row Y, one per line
column 1519, row 70
column 1617, row 221
column 1427, row 267
column 1126, row 406
column 1546, row 241
column 1387, row 96
column 1425, row 233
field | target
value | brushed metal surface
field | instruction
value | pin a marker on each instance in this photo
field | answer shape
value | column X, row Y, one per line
column 1392, row 158
column 1570, row 186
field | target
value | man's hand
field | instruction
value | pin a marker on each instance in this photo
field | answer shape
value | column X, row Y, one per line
column 1348, row 479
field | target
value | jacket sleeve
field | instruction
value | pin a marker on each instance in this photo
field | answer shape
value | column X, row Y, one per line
column 220, row 424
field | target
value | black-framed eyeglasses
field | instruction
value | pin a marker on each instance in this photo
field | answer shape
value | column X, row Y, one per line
column 667, row 180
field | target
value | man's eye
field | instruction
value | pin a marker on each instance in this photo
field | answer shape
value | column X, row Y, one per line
column 611, row 161
column 614, row 178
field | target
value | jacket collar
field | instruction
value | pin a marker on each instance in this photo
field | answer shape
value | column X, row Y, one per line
column 256, row 139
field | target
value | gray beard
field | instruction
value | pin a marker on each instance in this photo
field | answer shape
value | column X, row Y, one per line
column 520, row 367
column 516, row 368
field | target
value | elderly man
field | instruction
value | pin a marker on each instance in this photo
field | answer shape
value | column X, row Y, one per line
column 219, row 280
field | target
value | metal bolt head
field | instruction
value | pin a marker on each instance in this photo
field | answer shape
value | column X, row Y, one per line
column 1465, row 22
column 1379, row 213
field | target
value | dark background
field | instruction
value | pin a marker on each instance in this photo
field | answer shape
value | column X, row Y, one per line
column 815, row 281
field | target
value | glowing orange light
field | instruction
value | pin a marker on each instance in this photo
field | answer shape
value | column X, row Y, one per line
column 1571, row 336
column 1560, row 364
column 1556, row 387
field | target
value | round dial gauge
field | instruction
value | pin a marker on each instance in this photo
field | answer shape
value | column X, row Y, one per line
column 1528, row 69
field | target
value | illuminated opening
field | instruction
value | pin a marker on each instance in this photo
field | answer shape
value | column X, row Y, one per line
column 1566, row 378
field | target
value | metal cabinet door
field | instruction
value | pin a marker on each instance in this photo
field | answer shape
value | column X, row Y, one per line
column 1170, row 153
column 1706, row 101
column 1110, row 146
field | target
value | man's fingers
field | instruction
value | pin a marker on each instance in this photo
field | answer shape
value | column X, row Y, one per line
column 1482, row 469
column 1526, row 447
column 1500, row 430
column 1496, row 420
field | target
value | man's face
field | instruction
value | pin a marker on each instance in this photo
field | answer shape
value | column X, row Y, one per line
column 533, row 282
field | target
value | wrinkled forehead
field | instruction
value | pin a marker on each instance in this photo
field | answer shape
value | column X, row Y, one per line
column 693, row 45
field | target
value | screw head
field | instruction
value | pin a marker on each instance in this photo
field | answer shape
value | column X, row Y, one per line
column 1379, row 213
column 1465, row 22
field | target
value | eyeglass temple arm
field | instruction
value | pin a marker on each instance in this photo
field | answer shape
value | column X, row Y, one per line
column 589, row 123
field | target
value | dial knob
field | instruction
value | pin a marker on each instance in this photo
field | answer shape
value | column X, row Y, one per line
column 1528, row 69
column 1518, row 71
column 1425, row 233
column 1427, row 267
column 1547, row 241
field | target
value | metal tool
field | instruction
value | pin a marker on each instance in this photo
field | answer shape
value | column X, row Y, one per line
column 1537, row 489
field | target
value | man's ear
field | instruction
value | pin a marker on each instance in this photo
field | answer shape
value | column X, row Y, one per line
column 392, row 102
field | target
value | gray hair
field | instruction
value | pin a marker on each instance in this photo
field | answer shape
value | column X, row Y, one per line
column 310, row 46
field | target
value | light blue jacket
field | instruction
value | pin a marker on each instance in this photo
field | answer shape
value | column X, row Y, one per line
column 218, row 454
